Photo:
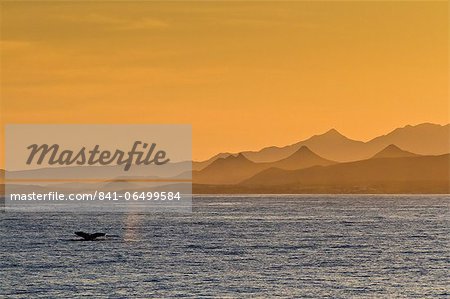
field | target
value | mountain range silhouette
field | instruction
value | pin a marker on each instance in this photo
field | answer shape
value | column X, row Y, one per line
column 337, row 164
column 412, row 159
column 423, row 139
column 234, row 169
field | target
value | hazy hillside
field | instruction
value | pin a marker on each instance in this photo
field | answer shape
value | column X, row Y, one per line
column 302, row 158
column 330, row 145
column 229, row 170
column 169, row 170
column 424, row 139
column 412, row 170
column 393, row 151
column 201, row 165
column 234, row 169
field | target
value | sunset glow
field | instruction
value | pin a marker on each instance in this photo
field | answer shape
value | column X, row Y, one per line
column 245, row 75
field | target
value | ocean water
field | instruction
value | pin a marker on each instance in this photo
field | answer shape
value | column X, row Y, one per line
column 236, row 247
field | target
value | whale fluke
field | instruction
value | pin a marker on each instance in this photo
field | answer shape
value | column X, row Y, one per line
column 89, row 237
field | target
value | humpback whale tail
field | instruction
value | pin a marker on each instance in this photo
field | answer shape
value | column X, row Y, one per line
column 89, row 237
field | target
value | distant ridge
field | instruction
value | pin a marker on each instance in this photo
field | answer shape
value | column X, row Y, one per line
column 422, row 139
column 386, row 164
column 393, row 151
column 330, row 145
column 201, row 165
column 236, row 168
column 302, row 158
column 420, row 174
column 228, row 170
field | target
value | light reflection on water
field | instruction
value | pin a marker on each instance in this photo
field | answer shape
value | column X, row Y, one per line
column 264, row 246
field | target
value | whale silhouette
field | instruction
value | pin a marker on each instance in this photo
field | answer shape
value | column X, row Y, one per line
column 89, row 237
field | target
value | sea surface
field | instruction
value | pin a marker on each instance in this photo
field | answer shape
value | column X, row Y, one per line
column 236, row 247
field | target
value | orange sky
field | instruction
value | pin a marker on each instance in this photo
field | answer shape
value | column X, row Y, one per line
column 244, row 74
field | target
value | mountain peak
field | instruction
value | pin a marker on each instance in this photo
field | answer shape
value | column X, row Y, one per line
column 240, row 156
column 302, row 158
column 392, row 147
column 393, row 151
column 236, row 158
column 332, row 133
column 304, row 150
